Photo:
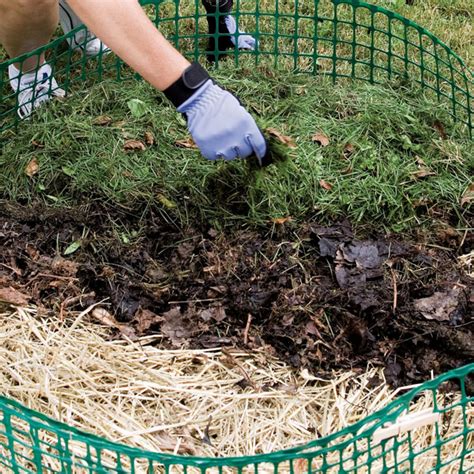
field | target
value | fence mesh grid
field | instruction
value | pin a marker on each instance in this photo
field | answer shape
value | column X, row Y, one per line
column 340, row 39
column 336, row 38
column 33, row 443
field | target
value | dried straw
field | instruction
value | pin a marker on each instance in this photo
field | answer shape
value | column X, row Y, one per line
column 467, row 263
column 201, row 402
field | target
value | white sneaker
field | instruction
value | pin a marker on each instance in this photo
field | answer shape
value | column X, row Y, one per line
column 33, row 88
column 83, row 39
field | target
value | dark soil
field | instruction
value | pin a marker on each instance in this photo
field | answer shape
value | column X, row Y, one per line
column 315, row 296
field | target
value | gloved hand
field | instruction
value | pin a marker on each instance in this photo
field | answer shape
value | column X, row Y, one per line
column 244, row 41
column 218, row 123
column 221, row 21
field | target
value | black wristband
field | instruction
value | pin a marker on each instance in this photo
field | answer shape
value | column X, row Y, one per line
column 192, row 79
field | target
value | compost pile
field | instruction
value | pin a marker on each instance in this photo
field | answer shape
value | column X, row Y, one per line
column 316, row 297
column 247, row 258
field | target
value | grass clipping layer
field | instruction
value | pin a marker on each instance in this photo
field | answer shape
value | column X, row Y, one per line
column 379, row 155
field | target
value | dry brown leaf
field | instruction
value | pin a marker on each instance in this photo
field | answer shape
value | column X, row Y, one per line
column 468, row 196
column 440, row 305
column 285, row 139
column 134, row 145
column 324, row 184
column 281, row 220
column 348, row 151
column 32, row 167
column 321, row 139
column 105, row 318
column 145, row 319
column 186, row 143
column 102, row 120
column 149, row 138
column 439, row 127
column 14, row 297
column 37, row 144
column 422, row 173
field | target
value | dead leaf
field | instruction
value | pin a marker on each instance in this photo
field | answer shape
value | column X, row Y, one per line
column 281, row 220
column 216, row 313
column 440, row 305
column 186, row 143
column 177, row 327
column 37, row 144
column 321, row 139
column 32, row 168
column 149, row 138
column 439, row 127
column 14, row 297
column 102, row 120
column 422, row 173
column 324, row 184
column 134, row 145
column 285, row 139
column 468, row 196
column 348, row 151
column 145, row 319
column 105, row 318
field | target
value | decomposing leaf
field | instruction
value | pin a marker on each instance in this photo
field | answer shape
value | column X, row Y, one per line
column 149, row 138
column 285, row 139
column 216, row 313
column 324, row 184
column 281, row 220
column 32, row 168
column 348, row 151
column 166, row 202
column 321, row 139
column 468, row 196
column 102, row 120
column 177, row 326
column 440, row 305
column 440, row 128
column 186, row 143
column 14, row 297
column 145, row 319
column 134, row 145
column 74, row 247
column 105, row 318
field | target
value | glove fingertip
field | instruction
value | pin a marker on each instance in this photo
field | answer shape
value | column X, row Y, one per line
column 258, row 144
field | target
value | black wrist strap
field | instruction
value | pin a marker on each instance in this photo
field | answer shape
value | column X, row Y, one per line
column 192, row 79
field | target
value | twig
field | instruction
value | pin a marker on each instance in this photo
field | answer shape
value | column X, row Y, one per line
column 247, row 327
column 395, row 289
column 72, row 300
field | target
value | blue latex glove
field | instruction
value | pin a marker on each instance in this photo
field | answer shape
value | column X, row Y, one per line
column 220, row 126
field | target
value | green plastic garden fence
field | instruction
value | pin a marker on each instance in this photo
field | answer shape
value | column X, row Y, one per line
column 338, row 38
column 384, row 442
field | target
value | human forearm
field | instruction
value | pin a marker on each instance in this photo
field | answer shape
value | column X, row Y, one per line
column 126, row 29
